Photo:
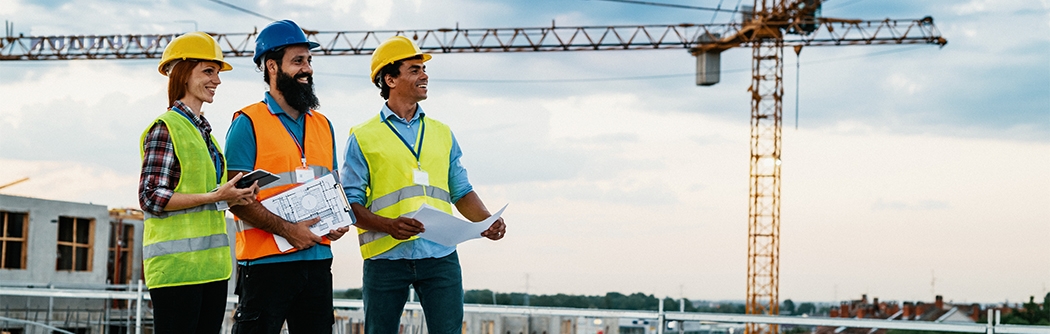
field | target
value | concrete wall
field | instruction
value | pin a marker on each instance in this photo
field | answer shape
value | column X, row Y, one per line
column 42, row 244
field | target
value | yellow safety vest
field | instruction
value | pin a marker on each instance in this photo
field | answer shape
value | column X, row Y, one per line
column 392, row 191
column 188, row 246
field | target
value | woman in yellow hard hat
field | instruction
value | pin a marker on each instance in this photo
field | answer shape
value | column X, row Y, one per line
column 185, row 248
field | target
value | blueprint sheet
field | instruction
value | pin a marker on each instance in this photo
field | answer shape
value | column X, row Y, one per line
column 448, row 230
column 322, row 198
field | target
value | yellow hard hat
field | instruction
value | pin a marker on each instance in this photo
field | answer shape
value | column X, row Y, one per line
column 394, row 49
column 194, row 45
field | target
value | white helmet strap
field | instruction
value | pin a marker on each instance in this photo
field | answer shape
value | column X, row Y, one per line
column 170, row 65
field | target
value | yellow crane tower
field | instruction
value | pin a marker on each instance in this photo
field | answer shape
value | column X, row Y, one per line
column 766, row 27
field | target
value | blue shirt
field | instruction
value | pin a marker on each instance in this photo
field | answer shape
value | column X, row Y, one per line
column 240, row 156
column 355, row 179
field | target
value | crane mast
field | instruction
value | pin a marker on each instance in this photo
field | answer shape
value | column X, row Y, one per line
column 763, row 231
column 767, row 27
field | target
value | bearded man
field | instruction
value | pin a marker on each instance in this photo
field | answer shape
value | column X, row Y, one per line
column 283, row 135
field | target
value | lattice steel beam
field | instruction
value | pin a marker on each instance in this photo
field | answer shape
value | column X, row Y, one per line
column 763, row 266
column 581, row 38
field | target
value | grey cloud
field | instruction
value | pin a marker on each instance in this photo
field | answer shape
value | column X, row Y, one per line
column 106, row 133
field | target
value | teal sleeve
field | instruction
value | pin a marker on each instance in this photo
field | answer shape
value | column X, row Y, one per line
column 240, row 145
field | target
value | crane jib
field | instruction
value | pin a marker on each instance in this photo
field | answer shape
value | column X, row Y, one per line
column 696, row 38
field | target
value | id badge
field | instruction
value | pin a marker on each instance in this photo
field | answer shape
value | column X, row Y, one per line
column 420, row 177
column 303, row 175
column 222, row 206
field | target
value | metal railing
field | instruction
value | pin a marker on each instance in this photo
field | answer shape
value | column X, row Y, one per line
column 661, row 316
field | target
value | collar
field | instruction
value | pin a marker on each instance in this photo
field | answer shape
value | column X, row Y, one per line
column 386, row 113
column 275, row 108
column 185, row 110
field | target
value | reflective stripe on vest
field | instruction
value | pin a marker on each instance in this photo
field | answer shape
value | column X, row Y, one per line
column 277, row 152
column 288, row 178
column 166, row 214
column 390, row 199
column 391, row 191
column 187, row 246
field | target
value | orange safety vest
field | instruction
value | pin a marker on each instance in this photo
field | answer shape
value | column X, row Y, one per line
column 278, row 153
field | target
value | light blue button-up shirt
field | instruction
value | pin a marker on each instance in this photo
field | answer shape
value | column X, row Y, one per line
column 240, row 156
column 355, row 178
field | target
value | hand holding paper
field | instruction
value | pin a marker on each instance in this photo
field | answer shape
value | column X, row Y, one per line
column 448, row 230
column 320, row 202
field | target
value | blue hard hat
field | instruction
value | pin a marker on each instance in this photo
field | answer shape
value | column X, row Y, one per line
column 279, row 34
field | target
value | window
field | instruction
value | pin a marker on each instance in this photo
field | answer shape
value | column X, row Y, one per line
column 566, row 327
column 75, row 239
column 15, row 227
column 488, row 327
column 120, row 243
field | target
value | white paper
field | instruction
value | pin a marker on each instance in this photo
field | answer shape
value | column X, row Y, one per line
column 322, row 197
column 448, row 230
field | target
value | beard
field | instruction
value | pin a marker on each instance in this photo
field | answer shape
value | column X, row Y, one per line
column 299, row 96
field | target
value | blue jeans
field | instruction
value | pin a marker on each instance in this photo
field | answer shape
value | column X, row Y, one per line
column 438, row 283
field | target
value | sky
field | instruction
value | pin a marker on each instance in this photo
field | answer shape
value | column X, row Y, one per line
column 913, row 171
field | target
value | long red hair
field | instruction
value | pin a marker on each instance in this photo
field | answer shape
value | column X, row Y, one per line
column 178, row 78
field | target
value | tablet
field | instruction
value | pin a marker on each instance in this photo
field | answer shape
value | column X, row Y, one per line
column 260, row 175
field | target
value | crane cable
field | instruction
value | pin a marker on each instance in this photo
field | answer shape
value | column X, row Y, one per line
column 243, row 10
column 672, row 5
column 798, row 50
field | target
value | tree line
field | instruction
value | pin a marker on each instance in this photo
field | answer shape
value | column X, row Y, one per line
column 611, row 300
column 1030, row 313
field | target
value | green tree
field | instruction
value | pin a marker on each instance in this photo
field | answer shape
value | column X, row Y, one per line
column 348, row 294
column 611, row 300
column 1046, row 306
column 1029, row 314
column 479, row 297
column 723, row 308
column 806, row 308
column 788, row 307
column 790, row 329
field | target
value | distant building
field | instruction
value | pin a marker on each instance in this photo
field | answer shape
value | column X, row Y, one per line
column 68, row 244
column 938, row 311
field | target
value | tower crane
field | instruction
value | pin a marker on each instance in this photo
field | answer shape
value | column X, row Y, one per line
column 766, row 27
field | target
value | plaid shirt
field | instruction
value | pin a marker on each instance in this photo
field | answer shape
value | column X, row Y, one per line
column 160, row 167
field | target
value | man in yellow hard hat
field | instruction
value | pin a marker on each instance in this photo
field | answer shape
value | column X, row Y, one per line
column 394, row 163
column 282, row 134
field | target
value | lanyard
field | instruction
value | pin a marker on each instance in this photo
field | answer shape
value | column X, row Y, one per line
column 300, row 146
column 212, row 150
column 419, row 147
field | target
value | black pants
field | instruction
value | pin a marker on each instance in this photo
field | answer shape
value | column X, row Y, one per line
column 299, row 292
column 197, row 308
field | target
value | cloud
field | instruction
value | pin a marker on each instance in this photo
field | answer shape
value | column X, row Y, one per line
column 70, row 181
column 376, row 12
column 924, row 205
column 901, row 84
column 8, row 7
column 613, row 179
